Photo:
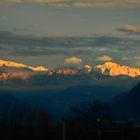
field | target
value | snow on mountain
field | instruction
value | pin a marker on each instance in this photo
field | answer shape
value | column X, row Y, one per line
column 4, row 63
column 13, row 70
column 113, row 69
column 9, row 69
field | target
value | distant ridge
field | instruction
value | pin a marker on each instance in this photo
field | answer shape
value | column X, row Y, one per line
column 108, row 68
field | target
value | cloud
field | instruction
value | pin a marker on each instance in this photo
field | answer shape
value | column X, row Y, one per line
column 59, row 3
column 137, row 57
column 131, row 28
column 15, row 45
column 81, row 3
column 31, row 45
column 104, row 58
column 10, row 1
column 73, row 60
column 125, row 58
column 106, row 3
column 12, row 44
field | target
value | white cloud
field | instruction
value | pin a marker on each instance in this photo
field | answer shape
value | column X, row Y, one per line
column 125, row 58
column 73, row 60
column 104, row 58
column 131, row 28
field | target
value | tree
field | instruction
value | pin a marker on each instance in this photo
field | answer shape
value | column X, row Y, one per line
column 88, row 114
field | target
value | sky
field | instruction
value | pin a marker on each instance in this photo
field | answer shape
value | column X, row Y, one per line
column 76, row 32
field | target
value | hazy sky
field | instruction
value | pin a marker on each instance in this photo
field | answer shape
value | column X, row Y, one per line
column 48, row 31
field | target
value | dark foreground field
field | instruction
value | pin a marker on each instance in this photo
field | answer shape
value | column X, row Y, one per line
column 70, row 133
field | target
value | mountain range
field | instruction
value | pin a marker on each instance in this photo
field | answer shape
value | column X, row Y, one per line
column 57, row 90
column 9, row 69
column 13, row 74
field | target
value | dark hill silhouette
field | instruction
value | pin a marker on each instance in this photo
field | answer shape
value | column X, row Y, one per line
column 136, row 89
column 59, row 103
column 127, row 107
column 14, row 113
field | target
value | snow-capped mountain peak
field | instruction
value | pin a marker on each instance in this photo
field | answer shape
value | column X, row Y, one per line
column 114, row 69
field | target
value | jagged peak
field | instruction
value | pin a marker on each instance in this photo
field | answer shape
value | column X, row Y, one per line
column 108, row 68
column 40, row 68
column 11, row 64
column 108, row 64
column 111, row 64
column 20, row 65
column 88, row 67
column 115, row 69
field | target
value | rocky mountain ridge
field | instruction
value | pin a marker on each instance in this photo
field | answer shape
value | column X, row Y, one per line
column 9, row 69
column 113, row 69
column 4, row 63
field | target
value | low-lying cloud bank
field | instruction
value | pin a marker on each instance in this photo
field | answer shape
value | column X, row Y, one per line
column 131, row 29
column 55, row 49
column 80, row 3
column 31, row 45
